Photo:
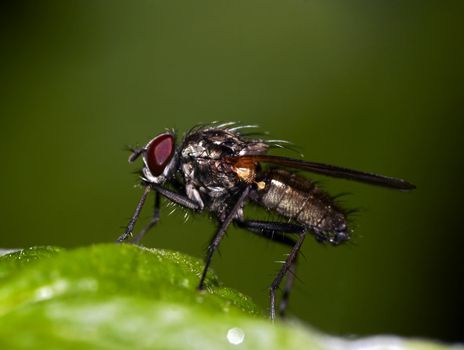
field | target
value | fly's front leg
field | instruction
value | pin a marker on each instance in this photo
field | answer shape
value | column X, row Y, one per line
column 133, row 220
column 171, row 195
column 275, row 231
column 174, row 197
column 152, row 223
column 135, row 153
column 177, row 198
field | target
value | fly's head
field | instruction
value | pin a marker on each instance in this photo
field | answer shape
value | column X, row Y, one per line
column 159, row 157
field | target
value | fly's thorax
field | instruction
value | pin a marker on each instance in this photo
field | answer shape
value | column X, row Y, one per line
column 204, row 156
column 206, row 171
column 300, row 200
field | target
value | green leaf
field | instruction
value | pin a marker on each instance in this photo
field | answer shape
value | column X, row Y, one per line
column 124, row 296
column 11, row 262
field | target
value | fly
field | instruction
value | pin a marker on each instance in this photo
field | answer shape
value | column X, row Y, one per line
column 217, row 169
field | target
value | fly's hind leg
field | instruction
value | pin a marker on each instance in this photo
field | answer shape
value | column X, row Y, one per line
column 288, row 288
column 288, row 266
column 275, row 231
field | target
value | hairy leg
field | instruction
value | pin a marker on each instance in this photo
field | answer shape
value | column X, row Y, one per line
column 275, row 231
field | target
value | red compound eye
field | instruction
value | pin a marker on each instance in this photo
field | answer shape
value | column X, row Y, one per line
column 159, row 153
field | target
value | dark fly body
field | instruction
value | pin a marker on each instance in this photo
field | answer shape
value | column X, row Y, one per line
column 218, row 170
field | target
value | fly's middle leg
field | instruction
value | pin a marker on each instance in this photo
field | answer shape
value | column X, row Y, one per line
column 220, row 234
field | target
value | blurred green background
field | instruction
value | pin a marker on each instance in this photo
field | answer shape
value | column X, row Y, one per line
column 371, row 85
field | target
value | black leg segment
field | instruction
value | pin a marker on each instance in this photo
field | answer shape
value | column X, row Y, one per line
column 133, row 220
column 154, row 220
column 136, row 152
column 171, row 195
column 287, row 267
column 220, row 234
column 275, row 231
column 288, row 288
column 270, row 227
column 177, row 198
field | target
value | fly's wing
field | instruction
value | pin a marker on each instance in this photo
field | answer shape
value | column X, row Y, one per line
column 329, row 170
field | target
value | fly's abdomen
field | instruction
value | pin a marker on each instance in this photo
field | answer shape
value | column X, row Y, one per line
column 298, row 199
